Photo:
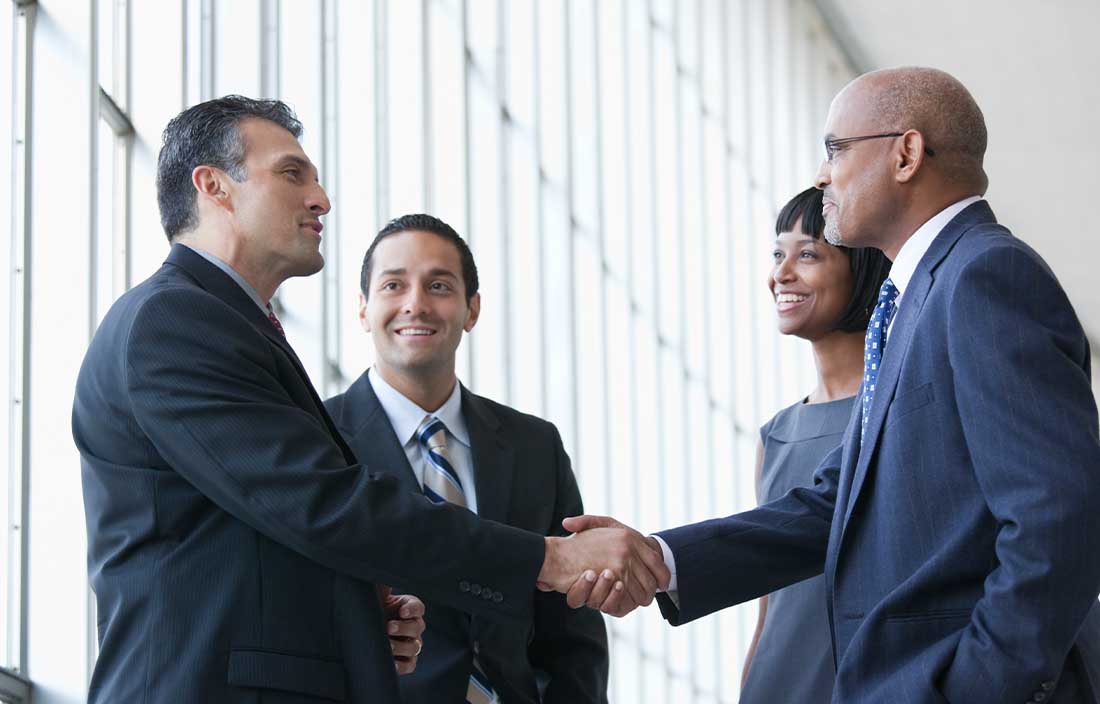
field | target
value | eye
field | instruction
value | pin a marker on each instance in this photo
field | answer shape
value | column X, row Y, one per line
column 440, row 286
column 390, row 286
column 292, row 173
column 777, row 255
column 809, row 254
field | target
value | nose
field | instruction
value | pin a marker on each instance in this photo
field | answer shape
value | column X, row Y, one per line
column 783, row 272
column 824, row 175
column 317, row 201
column 414, row 302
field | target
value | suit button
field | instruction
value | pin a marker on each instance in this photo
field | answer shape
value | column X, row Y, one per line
column 464, row 586
column 475, row 589
column 498, row 597
column 1039, row 696
column 487, row 594
column 1048, row 685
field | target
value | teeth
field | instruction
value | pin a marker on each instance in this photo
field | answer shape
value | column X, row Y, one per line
column 415, row 331
column 790, row 298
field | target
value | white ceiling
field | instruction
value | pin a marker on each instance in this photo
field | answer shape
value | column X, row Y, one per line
column 1034, row 68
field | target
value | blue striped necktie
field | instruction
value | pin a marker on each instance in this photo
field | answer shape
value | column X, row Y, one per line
column 441, row 483
column 875, row 344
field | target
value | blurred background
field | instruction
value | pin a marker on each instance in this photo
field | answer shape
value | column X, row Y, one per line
column 616, row 166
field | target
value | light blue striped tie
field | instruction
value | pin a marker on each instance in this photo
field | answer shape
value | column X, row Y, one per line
column 441, row 483
column 875, row 344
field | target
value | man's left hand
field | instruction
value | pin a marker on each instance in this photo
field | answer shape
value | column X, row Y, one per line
column 404, row 626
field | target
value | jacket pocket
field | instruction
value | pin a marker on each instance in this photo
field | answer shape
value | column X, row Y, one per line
column 948, row 615
column 263, row 669
column 908, row 402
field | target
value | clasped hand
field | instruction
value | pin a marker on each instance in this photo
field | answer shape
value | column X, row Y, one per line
column 604, row 564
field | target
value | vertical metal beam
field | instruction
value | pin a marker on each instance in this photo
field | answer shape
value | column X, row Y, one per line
column 540, row 210
column 207, row 49
column 381, row 118
column 270, row 48
column 331, row 371
column 467, row 168
column 18, row 431
column 570, row 208
column 426, row 103
column 504, row 126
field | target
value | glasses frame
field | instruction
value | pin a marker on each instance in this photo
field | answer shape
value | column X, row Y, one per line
column 833, row 146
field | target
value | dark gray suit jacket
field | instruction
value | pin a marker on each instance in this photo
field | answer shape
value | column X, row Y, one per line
column 961, row 543
column 232, row 536
column 523, row 478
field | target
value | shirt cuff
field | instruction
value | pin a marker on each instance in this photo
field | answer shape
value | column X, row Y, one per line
column 670, row 563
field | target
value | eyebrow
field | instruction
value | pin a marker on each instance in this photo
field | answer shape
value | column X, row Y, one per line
column 433, row 272
column 293, row 159
column 803, row 240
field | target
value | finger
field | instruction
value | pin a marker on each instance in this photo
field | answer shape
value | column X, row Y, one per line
column 618, row 603
column 405, row 647
column 644, row 579
column 405, row 628
column 654, row 560
column 603, row 587
column 578, row 593
column 410, row 606
column 404, row 666
column 576, row 524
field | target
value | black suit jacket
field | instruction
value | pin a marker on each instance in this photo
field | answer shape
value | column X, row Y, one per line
column 232, row 537
column 523, row 478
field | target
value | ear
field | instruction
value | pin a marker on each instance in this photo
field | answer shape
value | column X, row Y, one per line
column 364, row 321
column 473, row 312
column 211, row 185
column 910, row 156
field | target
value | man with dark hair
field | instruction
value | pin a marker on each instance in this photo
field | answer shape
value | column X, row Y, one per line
column 957, row 524
column 409, row 416
column 234, row 540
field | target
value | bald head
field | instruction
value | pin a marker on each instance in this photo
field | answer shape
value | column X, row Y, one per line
column 935, row 104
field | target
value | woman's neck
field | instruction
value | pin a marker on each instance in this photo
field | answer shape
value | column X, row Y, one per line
column 838, row 357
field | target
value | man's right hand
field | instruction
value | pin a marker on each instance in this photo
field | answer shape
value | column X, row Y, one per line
column 605, row 564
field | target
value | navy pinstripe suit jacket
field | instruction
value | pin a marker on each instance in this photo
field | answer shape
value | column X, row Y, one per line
column 232, row 537
column 961, row 545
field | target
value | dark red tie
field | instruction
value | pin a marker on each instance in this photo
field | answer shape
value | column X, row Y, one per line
column 275, row 322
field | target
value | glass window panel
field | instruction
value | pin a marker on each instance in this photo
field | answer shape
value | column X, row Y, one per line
column 668, row 191
column 10, row 317
column 592, row 413
column 619, row 218
column 447, row 113
column 528, row 326
column 405, row 109
column 640, row 150
column 237, row 31
column 584, row 100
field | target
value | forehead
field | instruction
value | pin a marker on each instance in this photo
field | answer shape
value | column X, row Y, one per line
column 266, row 141
column 417, row 250
column 848, row 111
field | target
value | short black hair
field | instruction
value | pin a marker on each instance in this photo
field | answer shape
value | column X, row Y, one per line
column 869, row 266
column 207, row 134
column 424, row 223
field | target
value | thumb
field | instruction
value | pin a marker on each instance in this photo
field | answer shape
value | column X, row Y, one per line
column 576, row 524
column 544, row 587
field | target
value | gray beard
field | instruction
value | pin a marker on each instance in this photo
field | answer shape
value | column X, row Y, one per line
column 832, row 233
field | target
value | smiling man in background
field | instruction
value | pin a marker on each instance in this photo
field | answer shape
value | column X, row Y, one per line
column 409, row 416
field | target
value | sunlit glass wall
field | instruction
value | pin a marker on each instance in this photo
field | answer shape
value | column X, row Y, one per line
column 616, row 166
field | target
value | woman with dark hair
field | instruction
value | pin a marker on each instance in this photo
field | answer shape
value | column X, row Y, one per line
column 823, row 294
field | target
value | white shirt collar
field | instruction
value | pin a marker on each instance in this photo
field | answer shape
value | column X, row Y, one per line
column 405, row 416
column 910, row 254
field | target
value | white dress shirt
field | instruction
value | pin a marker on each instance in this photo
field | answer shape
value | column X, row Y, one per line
column 405, row 417
column 910, row 254
column 901, row 273
column 232, row 273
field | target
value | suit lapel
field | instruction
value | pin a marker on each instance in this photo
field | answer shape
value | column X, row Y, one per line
column 369, row 426
column 898, row 345
column 896, row 348
column 217, row 283
column 493, row 458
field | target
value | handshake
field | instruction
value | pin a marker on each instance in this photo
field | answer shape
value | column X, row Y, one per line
column 604, row 564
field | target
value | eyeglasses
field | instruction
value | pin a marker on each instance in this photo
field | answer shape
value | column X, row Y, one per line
column 834, row 146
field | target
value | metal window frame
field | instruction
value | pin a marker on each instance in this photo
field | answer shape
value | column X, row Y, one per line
column 13, row 685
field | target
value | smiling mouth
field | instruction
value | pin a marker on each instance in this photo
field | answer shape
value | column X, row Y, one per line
column 416, row 332
column 788, row 301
